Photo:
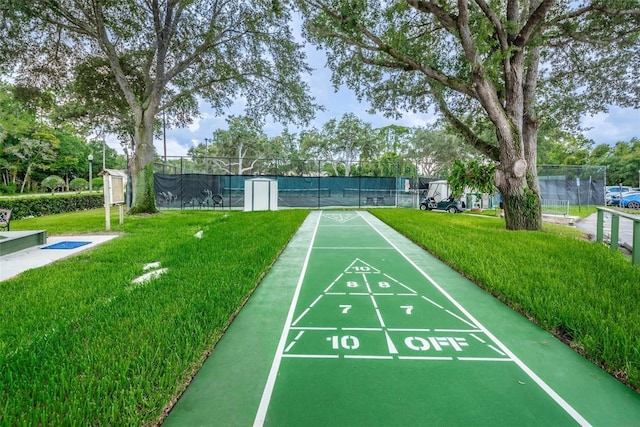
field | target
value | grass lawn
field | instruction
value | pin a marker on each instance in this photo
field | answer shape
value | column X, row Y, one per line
column 583, row 292
column 81, row 345
column 579, row 211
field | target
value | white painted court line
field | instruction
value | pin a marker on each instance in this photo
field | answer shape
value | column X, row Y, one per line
column 400, row 283
column 273, row 373
column 286, row 350
column 293, row 356
column 352, row 248
column 333, row 283
column 390, row 345
column 424, row 358
column 546, row 388
column 366, row 283
column 460, row 318
column 432, row 302
column 316, row 300
column 301, row 316
column 478, row 338
column 347, row 356
column 496, row 350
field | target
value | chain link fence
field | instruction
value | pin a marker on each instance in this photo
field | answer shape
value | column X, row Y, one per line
column 562, row 186
column 191, row 182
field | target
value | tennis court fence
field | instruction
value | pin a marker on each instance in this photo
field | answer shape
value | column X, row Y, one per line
column 190, row 191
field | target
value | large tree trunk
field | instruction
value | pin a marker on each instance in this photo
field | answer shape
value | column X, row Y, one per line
column 517, row 181
column 141, row 165
column 521, row 200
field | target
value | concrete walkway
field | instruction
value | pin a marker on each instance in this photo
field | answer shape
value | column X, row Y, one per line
column 625, row 233
column 15, row 263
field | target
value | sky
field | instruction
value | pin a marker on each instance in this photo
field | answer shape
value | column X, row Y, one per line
column 616, row 125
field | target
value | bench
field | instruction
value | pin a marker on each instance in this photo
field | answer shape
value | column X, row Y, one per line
column 5, row 219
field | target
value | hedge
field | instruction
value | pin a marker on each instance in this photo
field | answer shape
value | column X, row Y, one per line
column 25, row 207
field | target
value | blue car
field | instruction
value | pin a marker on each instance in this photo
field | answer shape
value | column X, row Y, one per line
column 614, row 193
column 631, row 201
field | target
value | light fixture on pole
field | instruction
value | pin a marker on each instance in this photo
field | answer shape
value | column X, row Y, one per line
column 90, row 171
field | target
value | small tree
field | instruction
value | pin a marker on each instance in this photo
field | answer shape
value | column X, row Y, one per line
column 97, row 183
column 78, row 184
column 52, row 183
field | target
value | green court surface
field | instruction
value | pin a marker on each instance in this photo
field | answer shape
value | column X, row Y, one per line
column 356, row 326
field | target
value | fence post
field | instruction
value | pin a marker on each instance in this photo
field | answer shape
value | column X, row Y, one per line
column 319, row 183
column 635, row 249
column 615, row 231
column 600, row 226
column 359, row 191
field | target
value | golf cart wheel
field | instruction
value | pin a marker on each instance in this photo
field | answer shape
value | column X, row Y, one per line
column 452, row 209
column 633, row 205
column 423, row 207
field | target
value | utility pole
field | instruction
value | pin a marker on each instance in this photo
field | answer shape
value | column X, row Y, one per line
column 164, row 135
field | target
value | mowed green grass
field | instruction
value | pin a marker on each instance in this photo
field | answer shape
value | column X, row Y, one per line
column 581, row 291
column 81, row 345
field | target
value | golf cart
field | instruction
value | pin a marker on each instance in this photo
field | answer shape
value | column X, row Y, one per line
column 450, row 205
column 433, row 198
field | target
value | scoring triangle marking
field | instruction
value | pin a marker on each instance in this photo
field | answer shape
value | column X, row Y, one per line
column 361, row 267
column 341, row 218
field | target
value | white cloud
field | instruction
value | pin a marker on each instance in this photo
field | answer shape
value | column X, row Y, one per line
column 194, row 126
column 174, row 147
column 617, row 125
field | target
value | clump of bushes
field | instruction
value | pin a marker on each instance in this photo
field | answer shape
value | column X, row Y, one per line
column 52, row 183
column 24, row 207
column 78, row 184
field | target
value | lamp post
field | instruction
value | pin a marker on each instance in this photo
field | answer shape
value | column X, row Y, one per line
column 90, row 171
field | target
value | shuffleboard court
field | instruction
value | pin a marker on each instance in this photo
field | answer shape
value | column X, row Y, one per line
column 355, row 325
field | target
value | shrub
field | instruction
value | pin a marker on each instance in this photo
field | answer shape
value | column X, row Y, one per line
column 24, row 207
column 52, row 183
column 78, row 184
column 10, row 188
column 97, row 183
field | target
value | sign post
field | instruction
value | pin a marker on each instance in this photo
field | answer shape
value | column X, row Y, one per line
column 114, row 192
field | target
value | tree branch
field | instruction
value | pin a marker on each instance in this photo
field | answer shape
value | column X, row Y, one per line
column 380, row 46
column 500, row 33
column 472, row 139
column 534, row 22
column 447, row 20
